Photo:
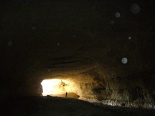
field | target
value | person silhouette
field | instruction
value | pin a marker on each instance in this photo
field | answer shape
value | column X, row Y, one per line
column 66, row 94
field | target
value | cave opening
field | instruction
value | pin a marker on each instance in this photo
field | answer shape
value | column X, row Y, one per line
column 59, row 88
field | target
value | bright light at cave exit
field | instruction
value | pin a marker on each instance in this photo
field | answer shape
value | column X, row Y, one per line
column 56, row 86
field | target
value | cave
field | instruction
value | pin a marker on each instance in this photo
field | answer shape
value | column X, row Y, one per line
column 71, row 52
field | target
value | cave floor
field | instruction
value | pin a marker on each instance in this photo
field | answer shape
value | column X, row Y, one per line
column 55, row 106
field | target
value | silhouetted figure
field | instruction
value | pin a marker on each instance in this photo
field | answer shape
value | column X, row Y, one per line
column 66, row 94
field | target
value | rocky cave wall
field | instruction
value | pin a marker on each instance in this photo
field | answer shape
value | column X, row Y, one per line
column 95, row 82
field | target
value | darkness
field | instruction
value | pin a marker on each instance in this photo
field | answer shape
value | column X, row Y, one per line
column 41, row 35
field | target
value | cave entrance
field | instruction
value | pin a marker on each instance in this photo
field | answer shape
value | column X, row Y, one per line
column 59, row 88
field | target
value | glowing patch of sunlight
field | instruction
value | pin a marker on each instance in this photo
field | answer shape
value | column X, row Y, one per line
column 56, row 86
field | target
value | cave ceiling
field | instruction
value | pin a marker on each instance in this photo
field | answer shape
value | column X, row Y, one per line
column 69, row 39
